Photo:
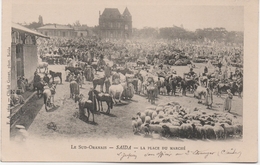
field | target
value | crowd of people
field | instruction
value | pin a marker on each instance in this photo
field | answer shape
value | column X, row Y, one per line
column 156, row 51
column 89, row 50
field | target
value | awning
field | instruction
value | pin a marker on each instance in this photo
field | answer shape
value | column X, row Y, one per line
column 21, row 28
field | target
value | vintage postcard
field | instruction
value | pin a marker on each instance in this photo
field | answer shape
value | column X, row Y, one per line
column 129, row 81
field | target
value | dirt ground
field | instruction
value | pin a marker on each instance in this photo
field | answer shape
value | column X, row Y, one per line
column 115, row 125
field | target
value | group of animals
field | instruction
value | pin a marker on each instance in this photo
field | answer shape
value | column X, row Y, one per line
column 173, row 120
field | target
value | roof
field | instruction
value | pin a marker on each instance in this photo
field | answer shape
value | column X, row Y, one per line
column 26, row 30
column 55, row 26
column 111, row 12
column 81, row 28
column 126, row 12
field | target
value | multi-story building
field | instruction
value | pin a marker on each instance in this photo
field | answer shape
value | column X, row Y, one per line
column 57, row 30
column 113, row 24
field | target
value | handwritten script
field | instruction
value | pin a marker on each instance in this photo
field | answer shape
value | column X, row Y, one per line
column 123, row 155
column 204, row 153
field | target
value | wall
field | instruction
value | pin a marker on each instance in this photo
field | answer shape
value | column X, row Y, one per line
column 57, row 32
column 30, row 61
column 85, row 33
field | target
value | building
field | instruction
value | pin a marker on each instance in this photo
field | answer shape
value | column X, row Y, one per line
column 56, row 30
column 113, row 24
column 81, row 31
column 24, row 59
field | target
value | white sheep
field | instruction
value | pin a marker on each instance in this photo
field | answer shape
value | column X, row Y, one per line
column 147, row 119
column 210, row 133
column 229, row 130
column 144, row 128
column 219, row 131
column 200, row 131
column 238, row 129
column 154, row 114
column 171, row 130
column 186, row 130
column 155, row 128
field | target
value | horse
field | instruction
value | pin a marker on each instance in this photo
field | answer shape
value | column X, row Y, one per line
column 222, row 87
column 75, row 70
column 175, row 81
column 116, row 90
column 99, row 81
column 42, row 65
column 85, row 103
column 56, row 74
column 124, row 71
column 104, row 97
column 191, row 84
column 74, row 88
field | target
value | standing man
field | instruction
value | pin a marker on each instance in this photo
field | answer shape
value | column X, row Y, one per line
column 228, row 101
column 159, row 84
column 209, row 96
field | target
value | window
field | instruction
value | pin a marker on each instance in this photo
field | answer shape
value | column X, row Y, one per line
column 81, row 34
column 46, row 33
column 126, row 27
column 63, row 34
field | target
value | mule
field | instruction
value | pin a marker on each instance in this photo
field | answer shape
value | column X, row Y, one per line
column 74, row 89
column 74, row 70
column 85, row 103
column 99, row 81
column 104, row 97
column 56, row 74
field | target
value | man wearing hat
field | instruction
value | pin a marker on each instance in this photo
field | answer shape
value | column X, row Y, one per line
column 228, row 101
column 191, row 73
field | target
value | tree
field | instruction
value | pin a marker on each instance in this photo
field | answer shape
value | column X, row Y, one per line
column 33, row 25
column 77, row 23
column 40, row 20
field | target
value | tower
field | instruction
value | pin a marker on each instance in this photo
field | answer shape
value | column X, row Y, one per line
column 113, row 24
column 128, row 23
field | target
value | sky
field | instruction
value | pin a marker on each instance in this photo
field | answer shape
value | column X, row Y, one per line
column 154, row 14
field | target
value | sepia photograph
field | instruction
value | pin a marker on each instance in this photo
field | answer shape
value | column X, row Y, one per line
column 141, row 81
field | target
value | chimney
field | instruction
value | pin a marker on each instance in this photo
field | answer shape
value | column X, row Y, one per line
column 99, row 13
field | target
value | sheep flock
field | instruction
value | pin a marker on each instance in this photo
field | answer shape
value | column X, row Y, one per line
column 171, row 120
